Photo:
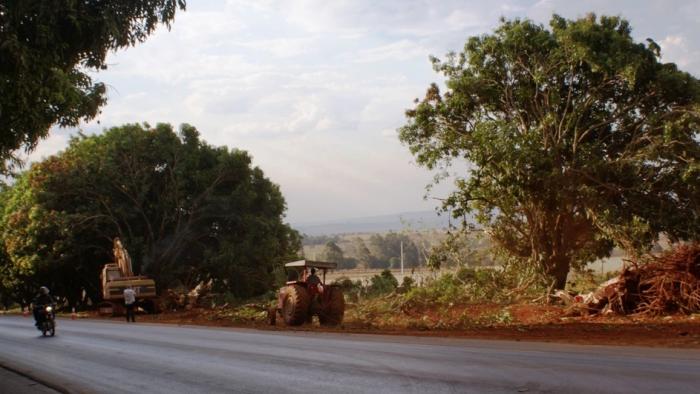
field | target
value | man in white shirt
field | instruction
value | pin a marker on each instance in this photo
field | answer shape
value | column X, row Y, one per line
column 129, row 301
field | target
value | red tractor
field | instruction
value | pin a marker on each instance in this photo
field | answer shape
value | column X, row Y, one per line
column 306, row 295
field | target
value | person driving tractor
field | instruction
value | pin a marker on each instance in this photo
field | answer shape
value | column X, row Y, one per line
column 313, row 279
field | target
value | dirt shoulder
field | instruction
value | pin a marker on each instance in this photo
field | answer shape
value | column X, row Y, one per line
column 529, row 323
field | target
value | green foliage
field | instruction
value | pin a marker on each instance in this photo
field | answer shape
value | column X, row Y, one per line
column 375, row 312
column 362, row 253
column 26, row 258
column 469, row 297
column 352, row 290
column 186, row 211
column 407, row 283
column 332, row 252
column 346, row 283
column 576, row 136
column 467, row 285
column 48, row 49
column 383, row 283
column 442, row 290
column 380, row 251
column 461, row 248
column 386, row 251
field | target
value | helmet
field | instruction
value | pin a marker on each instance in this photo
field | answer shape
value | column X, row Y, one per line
column 44, row 290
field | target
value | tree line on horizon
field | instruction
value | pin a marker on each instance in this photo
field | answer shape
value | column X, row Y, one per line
column 381, row 251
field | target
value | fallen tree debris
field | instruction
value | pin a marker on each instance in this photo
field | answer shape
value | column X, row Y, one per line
column 653, row 285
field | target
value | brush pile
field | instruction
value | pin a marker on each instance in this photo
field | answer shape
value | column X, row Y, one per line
column 654, row 285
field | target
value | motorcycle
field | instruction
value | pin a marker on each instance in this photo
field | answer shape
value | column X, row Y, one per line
column 47, row 321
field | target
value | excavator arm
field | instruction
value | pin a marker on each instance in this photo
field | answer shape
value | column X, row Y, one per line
column 122, row 258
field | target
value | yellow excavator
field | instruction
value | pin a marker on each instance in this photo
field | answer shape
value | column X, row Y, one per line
column 117, row 276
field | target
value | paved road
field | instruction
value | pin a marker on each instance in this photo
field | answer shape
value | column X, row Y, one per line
column 13, row 383
column 100, row 356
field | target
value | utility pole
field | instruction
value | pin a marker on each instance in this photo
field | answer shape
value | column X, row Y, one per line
column 401, row 257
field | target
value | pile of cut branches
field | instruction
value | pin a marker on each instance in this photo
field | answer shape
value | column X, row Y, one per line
column 668, row 283
column 653, row 285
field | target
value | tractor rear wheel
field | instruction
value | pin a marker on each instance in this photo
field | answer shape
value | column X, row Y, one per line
column 334, row 309
column 295, row 306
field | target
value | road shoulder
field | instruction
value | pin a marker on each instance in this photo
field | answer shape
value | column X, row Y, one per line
column 14, row 382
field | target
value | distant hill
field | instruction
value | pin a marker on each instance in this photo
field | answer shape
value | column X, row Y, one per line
column 423, row 220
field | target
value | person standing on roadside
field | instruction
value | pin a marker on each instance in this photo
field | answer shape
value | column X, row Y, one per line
column 129, row 301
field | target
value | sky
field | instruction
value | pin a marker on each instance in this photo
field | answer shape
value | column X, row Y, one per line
column 315, row 90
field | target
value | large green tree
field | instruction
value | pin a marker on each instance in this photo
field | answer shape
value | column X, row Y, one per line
column 47, row 49
column 575, row 137
column 186, row 212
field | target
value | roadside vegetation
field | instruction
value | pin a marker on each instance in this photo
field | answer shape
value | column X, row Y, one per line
column 186, row 211
column 576, row 140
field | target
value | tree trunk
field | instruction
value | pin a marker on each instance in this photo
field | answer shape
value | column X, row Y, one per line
column 559, row 271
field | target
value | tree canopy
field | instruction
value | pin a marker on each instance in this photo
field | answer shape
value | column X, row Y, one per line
column 333, row 253
column 47, row 49
column 577, row 138
column 386, row 251
column 186, row 212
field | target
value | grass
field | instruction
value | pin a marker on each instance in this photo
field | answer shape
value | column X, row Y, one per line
column 459, row 300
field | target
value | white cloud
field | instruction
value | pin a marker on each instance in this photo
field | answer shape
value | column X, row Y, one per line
column 398, row 51
column 413, row 18
column 282, row 47
column 459, row 19
column 676, row 49
column 56, row 141
column 315, row 89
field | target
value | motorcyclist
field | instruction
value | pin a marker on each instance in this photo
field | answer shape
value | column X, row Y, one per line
column 41, row 301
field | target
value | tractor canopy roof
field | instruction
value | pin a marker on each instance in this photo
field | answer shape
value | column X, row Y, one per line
column 311, row 264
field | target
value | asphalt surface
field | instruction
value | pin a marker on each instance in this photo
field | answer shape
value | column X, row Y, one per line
column 101, row 356
column 13, row 383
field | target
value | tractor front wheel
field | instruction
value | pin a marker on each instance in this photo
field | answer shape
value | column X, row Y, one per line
column 295, row 306
column 333, row 309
